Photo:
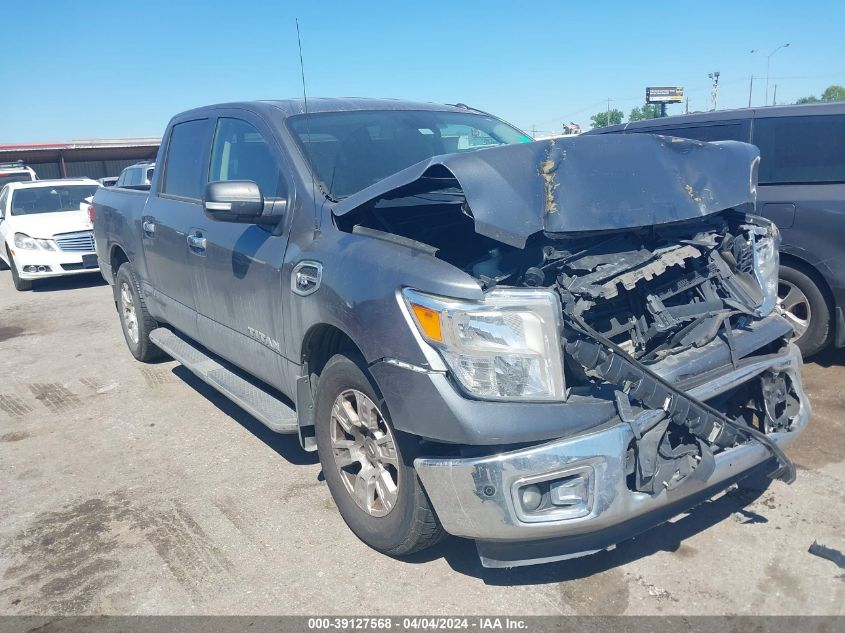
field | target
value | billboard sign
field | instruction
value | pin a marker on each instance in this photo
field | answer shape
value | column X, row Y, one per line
column 664, row 95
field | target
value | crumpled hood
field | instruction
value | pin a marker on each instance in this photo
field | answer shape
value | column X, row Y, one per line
column 587, row 183
column 46, row 225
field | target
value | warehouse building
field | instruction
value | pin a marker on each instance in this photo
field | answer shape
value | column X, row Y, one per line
column 92, row 158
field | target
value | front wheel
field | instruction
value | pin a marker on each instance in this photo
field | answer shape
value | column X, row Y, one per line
column 803, row 304
column 134, row 317
column 20, row 284
column 368, row 466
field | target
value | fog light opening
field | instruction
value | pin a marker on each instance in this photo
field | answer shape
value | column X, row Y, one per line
column 36, row 268
column 559, row 496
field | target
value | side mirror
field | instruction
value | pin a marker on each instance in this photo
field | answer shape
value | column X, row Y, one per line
column 237, row 201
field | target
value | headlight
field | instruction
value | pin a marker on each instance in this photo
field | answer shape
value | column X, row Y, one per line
column 24, row 241
column 506, row 347
column 766, row 248
column 45, row 244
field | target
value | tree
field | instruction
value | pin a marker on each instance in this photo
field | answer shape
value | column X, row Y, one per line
column 603, row 119
column 831, row 93
column 648, row 111
column 834, row 93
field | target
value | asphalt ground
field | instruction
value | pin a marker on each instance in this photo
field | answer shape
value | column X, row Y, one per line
column 135, row 489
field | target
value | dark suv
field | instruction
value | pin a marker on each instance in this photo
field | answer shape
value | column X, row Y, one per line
column 802, row 189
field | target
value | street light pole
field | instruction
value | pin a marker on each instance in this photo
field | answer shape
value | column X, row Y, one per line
column 768, row 64
column 751, row 81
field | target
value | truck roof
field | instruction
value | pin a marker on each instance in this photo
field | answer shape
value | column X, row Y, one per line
column 291, row 107
column 804, row 109
column 35, row 184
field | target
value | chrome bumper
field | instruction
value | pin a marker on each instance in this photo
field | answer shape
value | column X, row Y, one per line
column 476, row 497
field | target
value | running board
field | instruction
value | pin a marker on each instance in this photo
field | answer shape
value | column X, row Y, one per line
column 268, row 408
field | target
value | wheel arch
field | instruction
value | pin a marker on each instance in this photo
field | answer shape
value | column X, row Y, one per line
column 321, row 342
column 117, row 257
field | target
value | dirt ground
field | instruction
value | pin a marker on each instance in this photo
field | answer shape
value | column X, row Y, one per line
column 135, row 489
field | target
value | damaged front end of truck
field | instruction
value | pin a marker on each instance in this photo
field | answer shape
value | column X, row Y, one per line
column 662, row 287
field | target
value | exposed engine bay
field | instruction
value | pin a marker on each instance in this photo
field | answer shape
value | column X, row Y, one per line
column 650, row 293
column 632, row 297
column 653, row 291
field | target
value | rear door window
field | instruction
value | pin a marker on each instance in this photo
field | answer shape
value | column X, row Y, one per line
column 187, row 156
column 797, row 150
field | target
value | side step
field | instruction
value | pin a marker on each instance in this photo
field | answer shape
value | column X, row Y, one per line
column 268, row 408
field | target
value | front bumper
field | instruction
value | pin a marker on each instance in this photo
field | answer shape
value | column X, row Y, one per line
column 60, row 263
column 476, row 497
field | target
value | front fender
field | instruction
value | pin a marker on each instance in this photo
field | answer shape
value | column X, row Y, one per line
column 358, row 294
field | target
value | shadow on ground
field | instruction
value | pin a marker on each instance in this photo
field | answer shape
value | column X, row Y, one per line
column 829, row 358
column 71, row 282
column 461, row 553
column 463, row 558
column 287, row 446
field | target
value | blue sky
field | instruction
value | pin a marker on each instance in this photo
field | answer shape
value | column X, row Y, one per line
column 112, row 68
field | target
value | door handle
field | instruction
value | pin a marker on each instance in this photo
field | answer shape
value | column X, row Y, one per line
column 197, row 243
column 149, row 228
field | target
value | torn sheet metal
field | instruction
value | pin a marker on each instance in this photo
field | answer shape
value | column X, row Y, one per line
column 587, row 183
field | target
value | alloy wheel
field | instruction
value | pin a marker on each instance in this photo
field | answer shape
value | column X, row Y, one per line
column 794, row 306
column 365, row 452
column 128, row 313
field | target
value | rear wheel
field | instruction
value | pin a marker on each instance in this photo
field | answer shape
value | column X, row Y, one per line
column 368, row 466
column 134, row 317
column 20, row 284
column 803, row 304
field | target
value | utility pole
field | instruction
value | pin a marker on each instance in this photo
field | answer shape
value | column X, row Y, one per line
column 768, row 64
column 753, row 50
column 714, row 91
column 608, row 111
column 775, row 96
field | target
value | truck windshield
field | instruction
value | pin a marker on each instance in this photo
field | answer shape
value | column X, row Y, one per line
column 19, row 176
column 350, row 151
column 50, row 199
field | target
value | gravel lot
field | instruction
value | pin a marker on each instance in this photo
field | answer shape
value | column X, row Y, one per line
column 135, row 489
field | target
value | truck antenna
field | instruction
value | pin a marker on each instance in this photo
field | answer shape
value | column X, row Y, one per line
column 307, row 129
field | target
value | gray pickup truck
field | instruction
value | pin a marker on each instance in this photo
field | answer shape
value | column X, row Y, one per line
column 547, row 347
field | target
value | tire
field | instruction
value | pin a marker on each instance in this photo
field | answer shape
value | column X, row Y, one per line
column 20, row 284
column 4, row 265
column 395, row 526
column 130, row 302
column 802, row 302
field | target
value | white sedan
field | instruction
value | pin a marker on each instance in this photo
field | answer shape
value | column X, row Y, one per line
column 43, row 230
